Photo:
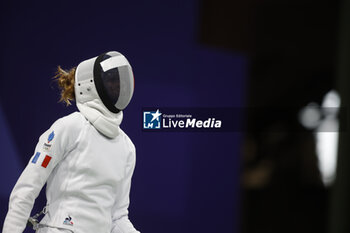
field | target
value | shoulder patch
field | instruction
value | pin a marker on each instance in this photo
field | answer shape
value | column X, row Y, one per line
column 36, row 156
column 46, row 161
column 51, row 136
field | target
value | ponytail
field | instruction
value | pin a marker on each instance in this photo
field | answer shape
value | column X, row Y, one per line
column 65, row 82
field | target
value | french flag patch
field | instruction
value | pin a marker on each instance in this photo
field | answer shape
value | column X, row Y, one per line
column 46, row 161
column 35, row 158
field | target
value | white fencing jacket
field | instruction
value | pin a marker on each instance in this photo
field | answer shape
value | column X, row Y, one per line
column 88, row 178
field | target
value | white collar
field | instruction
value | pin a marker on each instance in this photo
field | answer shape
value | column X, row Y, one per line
column 101, row 118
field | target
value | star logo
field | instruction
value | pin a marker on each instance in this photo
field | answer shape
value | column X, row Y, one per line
column 152, row 119
column 156, row 115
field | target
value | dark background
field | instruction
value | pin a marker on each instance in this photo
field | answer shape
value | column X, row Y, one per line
column 192, row 53
column 182, row 180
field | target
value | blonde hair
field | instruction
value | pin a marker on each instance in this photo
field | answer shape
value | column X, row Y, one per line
column 65, row 82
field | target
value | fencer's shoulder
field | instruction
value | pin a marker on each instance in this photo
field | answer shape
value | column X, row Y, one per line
column 66, row 129
column 72, row 122
column 126, row 139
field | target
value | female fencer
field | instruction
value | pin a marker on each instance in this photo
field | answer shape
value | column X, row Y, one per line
column 85, row 159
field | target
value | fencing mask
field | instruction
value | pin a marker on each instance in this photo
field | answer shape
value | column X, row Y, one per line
column 104, row 86
column 112, row 77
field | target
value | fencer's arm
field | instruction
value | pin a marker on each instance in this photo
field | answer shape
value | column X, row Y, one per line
column 46, row 156
column 22, row 198
column 120, row 219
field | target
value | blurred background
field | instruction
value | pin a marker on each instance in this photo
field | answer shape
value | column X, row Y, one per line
column 285, row 64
